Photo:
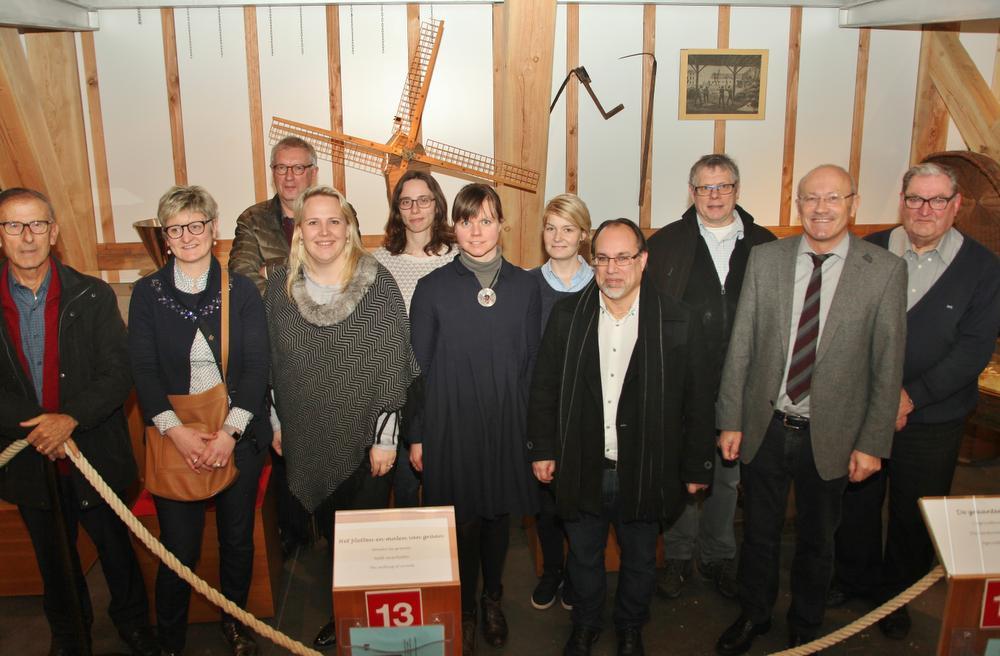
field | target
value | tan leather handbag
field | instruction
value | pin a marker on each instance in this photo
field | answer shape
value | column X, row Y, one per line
column 167, row 474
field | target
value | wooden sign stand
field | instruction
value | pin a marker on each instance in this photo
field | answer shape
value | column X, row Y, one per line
column 407, row 561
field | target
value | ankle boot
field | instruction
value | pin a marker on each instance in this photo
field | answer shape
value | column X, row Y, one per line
column 468, row 633
column 494, row 622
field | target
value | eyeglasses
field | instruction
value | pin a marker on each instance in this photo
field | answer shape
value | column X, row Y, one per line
column 831, row 199
column 724, row 189
column 423, row 202
column 936, row 203
column 620, row 260
column 195, row 228
column 14, row 228
column 297, row 169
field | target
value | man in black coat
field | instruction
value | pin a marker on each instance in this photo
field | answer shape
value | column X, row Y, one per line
column 65, row 374
column 620, row 421
column 952, row 319
column 700, row 260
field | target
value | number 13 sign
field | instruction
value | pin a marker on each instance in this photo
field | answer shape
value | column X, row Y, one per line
column 394, row 608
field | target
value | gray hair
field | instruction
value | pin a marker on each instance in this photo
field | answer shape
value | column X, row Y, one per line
column 930, row 168
column 714, row 161
column 14, row 193
column 291, row 141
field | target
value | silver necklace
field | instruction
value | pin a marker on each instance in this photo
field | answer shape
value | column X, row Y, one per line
column 487, row 296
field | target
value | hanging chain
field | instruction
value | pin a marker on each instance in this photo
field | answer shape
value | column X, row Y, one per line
column 432, row 13
column 352, row 29
column 302, row 35
column 187, row 14
column 381, row 19
column 138, row 14
column 219, row 10
column 270, row 31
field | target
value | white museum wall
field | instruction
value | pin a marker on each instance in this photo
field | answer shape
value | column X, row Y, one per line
column 982, row 48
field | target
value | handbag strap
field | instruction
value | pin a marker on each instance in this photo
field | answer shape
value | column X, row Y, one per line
column 224, row 321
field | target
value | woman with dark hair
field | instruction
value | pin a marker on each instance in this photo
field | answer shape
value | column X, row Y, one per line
column 475, row 329
column 342, row 365
column 174, row 345
column 417, row 240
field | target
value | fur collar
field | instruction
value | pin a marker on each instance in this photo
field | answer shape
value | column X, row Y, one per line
column 345, row 302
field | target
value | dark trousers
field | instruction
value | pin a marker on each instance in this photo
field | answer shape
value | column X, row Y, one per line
column 128, row 608
column 482, row 545
column 550, row 531
column 293, row 520
column 181, row 526
column 922, row 464
column 588, row 536
column 405, row 483
column 786, row 458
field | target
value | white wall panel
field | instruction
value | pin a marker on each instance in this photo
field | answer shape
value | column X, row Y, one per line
column 609, row 150
column 885, row 153
column 555, row 174
column 216, row 108
column 827, row 71
column 136, row 123
column 757, row 146
column 982, row 48
column 677, row 144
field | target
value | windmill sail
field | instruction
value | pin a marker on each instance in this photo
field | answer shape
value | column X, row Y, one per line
column 448, row 157
column 418, row 81
column 340, row 149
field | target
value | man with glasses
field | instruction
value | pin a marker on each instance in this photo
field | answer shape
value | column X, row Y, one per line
column 64, row 374
column 700, row 260
column 620, row 423
column 264, row 230
column 262, row 241
column 808, row 397
column 952, row 319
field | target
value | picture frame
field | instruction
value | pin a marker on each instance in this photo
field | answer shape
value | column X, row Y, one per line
column 722, row 84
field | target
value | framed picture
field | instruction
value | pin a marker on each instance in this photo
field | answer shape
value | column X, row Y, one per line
column 723, row 84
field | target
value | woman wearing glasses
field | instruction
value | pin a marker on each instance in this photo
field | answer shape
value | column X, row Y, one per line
column 475, row 326
column 417, row 240
column 340, row 344
column 174, row 328
column 565, row 228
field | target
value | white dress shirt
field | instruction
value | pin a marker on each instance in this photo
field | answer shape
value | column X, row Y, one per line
column 615, row 339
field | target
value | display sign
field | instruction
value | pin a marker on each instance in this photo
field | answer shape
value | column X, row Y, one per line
column 966, row 533
column 990, row 618
column 411, row 641
column 394, row 608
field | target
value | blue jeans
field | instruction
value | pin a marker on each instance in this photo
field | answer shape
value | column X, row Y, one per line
column 588, row 536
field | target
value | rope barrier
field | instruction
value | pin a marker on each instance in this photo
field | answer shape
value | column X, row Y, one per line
column 165, row 556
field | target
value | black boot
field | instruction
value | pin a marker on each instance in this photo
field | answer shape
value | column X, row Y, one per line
column 241, row 642
column 468, row 633
column 494, row 622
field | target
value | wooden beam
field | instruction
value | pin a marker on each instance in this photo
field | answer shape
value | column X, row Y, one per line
column 860, row 93
column 648, row 45
column 412, row 41
column 996, row 68
column 257, row 153
column 56, row 73
column 524, row 117
column 336, row 92
column 791, row 114
column 970, row 103
column 174, row 95
column 722, row 41
column 27, row 154
column 930, row 116
column 572, row 100
column 499, row 38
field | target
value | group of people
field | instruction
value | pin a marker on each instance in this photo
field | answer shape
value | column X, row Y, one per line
column 625, row 383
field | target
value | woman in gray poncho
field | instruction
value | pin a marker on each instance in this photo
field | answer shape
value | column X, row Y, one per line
column 341, row 364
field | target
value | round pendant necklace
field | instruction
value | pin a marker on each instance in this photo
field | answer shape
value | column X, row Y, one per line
column 487, row 296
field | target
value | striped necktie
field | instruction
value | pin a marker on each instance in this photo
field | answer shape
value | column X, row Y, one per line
column 804, row 352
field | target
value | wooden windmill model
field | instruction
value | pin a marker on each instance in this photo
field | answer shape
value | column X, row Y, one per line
column 404, row 149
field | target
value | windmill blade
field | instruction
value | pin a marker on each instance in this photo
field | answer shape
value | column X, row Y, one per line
column 359, row 154
column 418, row 81
column 467, row 162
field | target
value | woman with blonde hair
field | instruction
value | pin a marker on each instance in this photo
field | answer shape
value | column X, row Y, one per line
column 175, row 323
column 341, row 364
column 565, row 231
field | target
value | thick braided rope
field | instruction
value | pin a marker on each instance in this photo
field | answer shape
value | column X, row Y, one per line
column 865, row 621
column 161, row 552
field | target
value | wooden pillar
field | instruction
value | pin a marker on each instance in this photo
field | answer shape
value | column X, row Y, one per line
column 791, row 115
column 930, row 116
column 28, row 156
column 860, row 93
column 572, row 100
column 336, row 95
column 174, row 95
column 722, row 41
column 529, row 29
column 257, row 150
column 648, row 45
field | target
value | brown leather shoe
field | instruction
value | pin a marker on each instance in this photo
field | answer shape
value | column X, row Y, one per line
column 241, row 642
column 494, row 622
column 468, row 633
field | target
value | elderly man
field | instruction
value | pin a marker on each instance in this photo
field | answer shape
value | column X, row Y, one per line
column 952, row 319
column 808, row 397
column 65, row 375
column 620, row 421
column 700, row 260
column 264, row 230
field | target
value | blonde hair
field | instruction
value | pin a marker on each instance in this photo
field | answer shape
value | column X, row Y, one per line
column 572, row 208
column 190, row 198
column 353, row 249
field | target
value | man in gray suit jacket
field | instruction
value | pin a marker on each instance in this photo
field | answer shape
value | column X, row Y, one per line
column 809, row 396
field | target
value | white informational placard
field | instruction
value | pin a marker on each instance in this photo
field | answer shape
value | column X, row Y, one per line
column 966, row 533
column 375, row 548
